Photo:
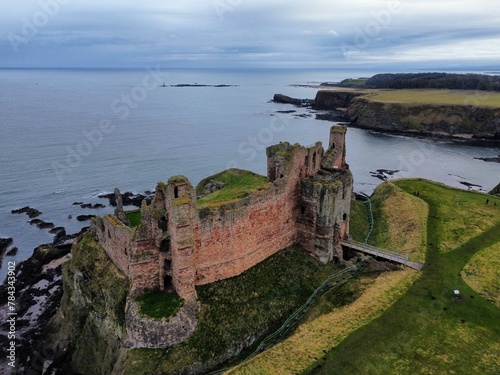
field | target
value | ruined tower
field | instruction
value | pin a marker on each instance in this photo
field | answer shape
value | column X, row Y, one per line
column 325, row 202
column 180, row 205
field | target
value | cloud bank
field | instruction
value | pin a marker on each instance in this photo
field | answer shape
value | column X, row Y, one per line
column 249, row 33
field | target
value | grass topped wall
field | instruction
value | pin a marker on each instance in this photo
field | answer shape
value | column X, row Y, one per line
column 238, row 184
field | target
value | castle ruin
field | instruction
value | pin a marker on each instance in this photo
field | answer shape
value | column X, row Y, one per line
column 178, row 245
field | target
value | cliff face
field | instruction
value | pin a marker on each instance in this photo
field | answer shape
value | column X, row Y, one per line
column 90, row 324
column 327, row 99
column 458, row 121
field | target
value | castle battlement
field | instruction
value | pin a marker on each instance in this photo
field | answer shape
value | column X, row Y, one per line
column 180, row 243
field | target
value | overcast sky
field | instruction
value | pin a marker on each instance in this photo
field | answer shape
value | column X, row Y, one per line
column 250, row 33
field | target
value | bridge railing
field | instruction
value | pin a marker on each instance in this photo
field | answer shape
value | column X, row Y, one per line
column 401, row 258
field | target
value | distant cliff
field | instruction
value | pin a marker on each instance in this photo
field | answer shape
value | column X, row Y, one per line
column 458, row 121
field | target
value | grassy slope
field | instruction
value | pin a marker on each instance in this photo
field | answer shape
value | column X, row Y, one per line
column 482, row 273
column 400, row 222
column 429, row 331
column 458, row 97
column 236, row 308
column 239, row 183
column 322, row 334
column 358, row 221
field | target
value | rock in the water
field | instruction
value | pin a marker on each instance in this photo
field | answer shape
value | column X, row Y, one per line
column 4, row 245
column 84, row 217
column 60, row 233
column 40, row 279
column 280, row 98
column 62, row 238
column 129, row 198
column 41, row 224
column 12, row 252
column 31, row 212
column 90, row 205
column 56, row 230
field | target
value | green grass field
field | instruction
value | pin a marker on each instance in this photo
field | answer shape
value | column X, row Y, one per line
column 238, row 184
column 430, row 330
column 423, row 96
column 482, row 273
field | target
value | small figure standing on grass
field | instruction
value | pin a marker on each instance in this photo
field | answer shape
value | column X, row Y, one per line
column 487, row 201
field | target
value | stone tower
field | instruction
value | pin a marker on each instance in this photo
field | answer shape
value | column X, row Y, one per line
column 180, row 205
column 325, row 202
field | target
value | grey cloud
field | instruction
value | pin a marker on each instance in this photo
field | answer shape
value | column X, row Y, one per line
column 257, row 32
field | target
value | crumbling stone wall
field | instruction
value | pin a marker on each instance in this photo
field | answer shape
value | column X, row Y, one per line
column 178, row 247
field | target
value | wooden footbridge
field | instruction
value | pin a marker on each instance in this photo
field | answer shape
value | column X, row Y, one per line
column 380, row 253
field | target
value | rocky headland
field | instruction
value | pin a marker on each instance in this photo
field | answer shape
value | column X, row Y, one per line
column 358, row 108
column 435, row 120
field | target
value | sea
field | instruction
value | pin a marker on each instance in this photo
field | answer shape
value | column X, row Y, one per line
column 69, row 135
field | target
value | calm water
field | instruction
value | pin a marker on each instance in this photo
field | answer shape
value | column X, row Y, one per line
column 69, row 135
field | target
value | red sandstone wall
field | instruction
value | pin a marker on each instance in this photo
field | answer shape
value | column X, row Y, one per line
column 145, row 266
column 228, row 244
column 116, row 240
column 231, row 244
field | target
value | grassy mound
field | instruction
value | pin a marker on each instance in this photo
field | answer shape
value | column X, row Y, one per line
column 482, row 273
column 239, row 309
column 238, row 184
column 429, row 330
column 400, row 221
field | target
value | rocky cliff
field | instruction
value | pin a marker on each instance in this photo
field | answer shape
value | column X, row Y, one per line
column 329, row 99
column 458, row 121
column 89, row 328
